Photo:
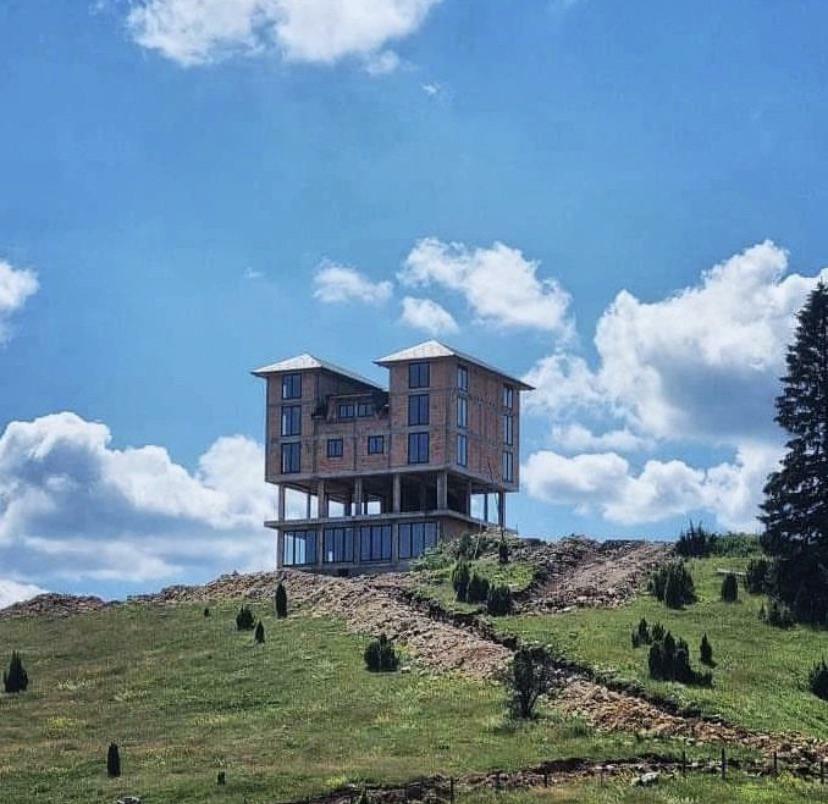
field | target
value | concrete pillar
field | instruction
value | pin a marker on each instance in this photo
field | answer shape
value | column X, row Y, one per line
column 279, row 551
column 308, row 505
column 280, row 504
column 319, row 545
column 468, row 498
column 442, row 491
column 359, row 497
column 501, row 509
column 486, row 507
column 322, row 498
column 397, row 494
column 395, row 542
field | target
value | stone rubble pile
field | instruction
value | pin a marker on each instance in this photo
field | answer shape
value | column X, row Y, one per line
column 54, row 605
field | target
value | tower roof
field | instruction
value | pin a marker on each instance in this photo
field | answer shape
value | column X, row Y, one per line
column 308, row 362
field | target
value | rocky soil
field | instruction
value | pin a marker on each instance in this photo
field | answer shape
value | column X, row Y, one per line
column 53, row 605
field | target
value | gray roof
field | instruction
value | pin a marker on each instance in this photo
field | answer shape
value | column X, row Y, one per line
column 429, row 350
column 307, row 362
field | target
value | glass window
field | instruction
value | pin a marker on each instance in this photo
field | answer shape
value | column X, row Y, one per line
column 417, row 409
column 345, row 410
column 462, row 411
column 418, row 375
column 298, row 547
column 508, row 429
column 508, row 467
column 292, row 386
column 376, row 445
column 416, row 538
column 508, row 396
column 291, row 458
column 365, row 409
column 462, row 378
column 462, row 449
column 375, row 543
column 339, row 545
column 418, row 447
column 291, row 420
column 334, row 447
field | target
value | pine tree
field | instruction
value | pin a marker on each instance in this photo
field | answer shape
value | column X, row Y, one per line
column 113, row 761
column 706, row 651
column 281, row 601
column 259, row 634
column 17, row 679
column 796, row 497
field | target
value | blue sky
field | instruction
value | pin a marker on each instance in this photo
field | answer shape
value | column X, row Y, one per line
column 177, row 178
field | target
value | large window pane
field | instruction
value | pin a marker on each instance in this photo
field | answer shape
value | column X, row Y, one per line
column 418, row 375
column 462, row 411
column 417, row 409
column 339, row 545
column 291, row 420
column 299, row 547
column 418, row 447
column 291, row 457
column 292, row 386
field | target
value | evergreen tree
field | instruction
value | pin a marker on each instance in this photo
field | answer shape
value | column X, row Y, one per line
column 795, row 510
column 706, row 651
column 503, row 552
column 281, row 601
column 17, row 679
column 730, row 588
column 259, row 634
column 245, row 621
column 113, row 761
column 460, row 577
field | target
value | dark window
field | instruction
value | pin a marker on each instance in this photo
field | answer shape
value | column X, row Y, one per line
column 291, row 458
column 462, row 450
column 508, row 429
column 376, row 445
column 298, row 547
column 365, row 409
column 462, row 411
column 339, row 545
column 508, row 396
column 508, row 467
column 334, row 447
column 345, row 410
column 416, row 538
column 418, row 447
column 462, row 378
column 291, row 420
column 375, row 543
column 292, row 386
column 417, row 409
column 418, row 375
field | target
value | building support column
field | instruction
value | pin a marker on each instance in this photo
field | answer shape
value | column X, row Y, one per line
column 486, row 507
column 322, row 500
column 280, row 503
column 442, row 491
column 501, row 509
column 468, row 498
column 395, row 542
column 279, row 550
column 308, row 505
column 359, row 497
column 396, row 496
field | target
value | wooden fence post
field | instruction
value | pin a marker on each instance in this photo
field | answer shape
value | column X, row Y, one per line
column 684, row 762
column 724, row 764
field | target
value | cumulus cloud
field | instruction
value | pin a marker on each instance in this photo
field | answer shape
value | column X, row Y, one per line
column 193, row 32
column 13, row 592
column 427, row 315
column 16, row 286
column 499, row 284
column 607, row 484
column 339, row 283
column 577, row 438
column 73, row 507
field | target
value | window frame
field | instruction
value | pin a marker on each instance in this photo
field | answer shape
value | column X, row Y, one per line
column 295, row 414
column 365, row 409
column 380, row 536
column 292, row 537
column 338, row 541
column 462, row 452
column 429, row 536
column 374, row 440
column 509, row 429
column 417, row 372
column 292, row 385
column 508, row 466
column 423, row 407
column 463, row 377
column 508, row 396
column 419, row 438
column 463, row 406
column 335, row 447
column 346, row 406
column 293, row 448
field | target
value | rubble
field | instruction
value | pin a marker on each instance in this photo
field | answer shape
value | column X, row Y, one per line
column 54, row 605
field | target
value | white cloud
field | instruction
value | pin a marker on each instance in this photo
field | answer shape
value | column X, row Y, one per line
column 605, row 483
column 16, row 286
column 427, row 315
column 339, row 283
column 577, row 438
column 500, row 285
column 14, row 592
column 73, row 507
column 193, row 32
column 382, row 63
column 431, row 88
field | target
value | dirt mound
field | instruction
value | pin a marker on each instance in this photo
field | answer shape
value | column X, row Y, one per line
column 582, row 572
column 54, row 605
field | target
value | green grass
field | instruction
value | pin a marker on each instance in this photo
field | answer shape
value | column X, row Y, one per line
column 761, row 672
column 695, row 788
column 184, row 696
column 436, row 584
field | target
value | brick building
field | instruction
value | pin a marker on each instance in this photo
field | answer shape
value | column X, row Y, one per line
column 387, row 473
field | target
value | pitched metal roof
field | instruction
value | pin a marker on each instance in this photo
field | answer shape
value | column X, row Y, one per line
column 429, row 350
column 306, row 362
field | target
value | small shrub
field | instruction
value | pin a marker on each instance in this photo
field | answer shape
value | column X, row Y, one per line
column 696, row 542
column 281, row 601
column 460, row 578
column 465, row 547
column 669, row 660
column 777, row 614
column 655, row 661
column 657, row 633
column 113, row 761
column 503, row 552
column 644, row 632
column 478, row 589
column 730, row 588
column 380, row 656
column 499, row 600
column 673, row 585
column 706, row 651
column 206, row 612
column 818, row 680
column 259, row 634
column 756, row 576
column 635, row 639
column 530, row 675
column 244, row 619
column 16, row 679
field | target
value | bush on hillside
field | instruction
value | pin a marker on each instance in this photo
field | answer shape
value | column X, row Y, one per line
column 206, row 612
column 669, row 660
column 706, row 651
column 730, row 588
column 281, row 601
column 503, row 551
column 756, row 576
column 113, row 761
column 16, row 679
column 657, row 633
column 641, row 635
column 777, row 614
column 380, row 656
column 818, row 680
column 499, row 600
column 673, row 585
column 530, row 675
column 460, row 578
column 244, row 619
column 259, row 634
column 695, row 542
column 478, row 589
